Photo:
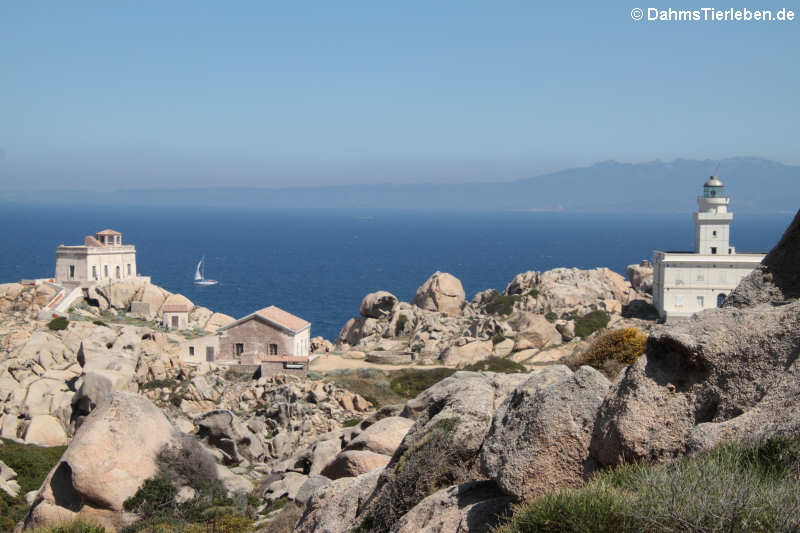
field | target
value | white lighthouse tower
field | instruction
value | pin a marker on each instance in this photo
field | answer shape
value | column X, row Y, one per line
column 687, row 282
column 713, row 220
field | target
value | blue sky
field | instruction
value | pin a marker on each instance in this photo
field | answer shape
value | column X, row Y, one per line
column 177, row 94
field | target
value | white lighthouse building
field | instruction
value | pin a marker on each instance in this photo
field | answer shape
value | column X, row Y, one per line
column 687, row 282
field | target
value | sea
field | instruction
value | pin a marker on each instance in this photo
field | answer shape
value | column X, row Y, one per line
column 318, row 264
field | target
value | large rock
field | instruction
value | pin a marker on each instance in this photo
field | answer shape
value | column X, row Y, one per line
column 153, row 295
column 216, row 321
column 109, row 458
column 384, row 436
column 177, row 299
column 8, row 483
column 540, row 437
column 352, row 463
column 726, row 373
column 641, row 276
column 777, row 279
column 441, row 292
column 378, row 304
column 223, row 430
column 119, row 295
column 45, row 430
column 462, row 354
column 356, row 330
column 473, row 507
column 334, row 508
column 534, row 331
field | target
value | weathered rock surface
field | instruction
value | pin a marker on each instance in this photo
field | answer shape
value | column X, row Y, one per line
column 724, row 373
column 352, row 463
column 541, row 433
column 108, row 459
column 384, row 436
column 334, row 508
column 8, row 483
column 378, row 304
column 776, row 280
column 467, row 353
column 470, row 507
column 534, row 332
column 641, row 276
column 441, row 292
column 45, row 430
column 223, row 430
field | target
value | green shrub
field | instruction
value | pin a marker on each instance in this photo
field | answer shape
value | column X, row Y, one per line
column 58, row 323
column 99, row 323
column 277, row 505
column 551, row 316
column 590, row 322
column 500, row 304
column 400, row 325
column 533, row 292
column 159, row 384
column 417, row 348
column 285, row 520
column 409, row 382
column 351, row 422
column 429, row 464
column 496, row 364
column 733, row 487
column 497, row 339
column 154, row 497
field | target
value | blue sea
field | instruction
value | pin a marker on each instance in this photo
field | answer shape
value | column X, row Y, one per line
column 318, row 264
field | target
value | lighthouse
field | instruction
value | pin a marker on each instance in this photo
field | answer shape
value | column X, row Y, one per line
column 685, row 283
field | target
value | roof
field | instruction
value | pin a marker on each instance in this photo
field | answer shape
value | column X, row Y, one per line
column 276, row 316
column 108, row 232
column 176, row 308
column 284, row 318
column 91, row 241
column 713, row 181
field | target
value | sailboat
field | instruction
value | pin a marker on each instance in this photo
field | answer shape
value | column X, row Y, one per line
column 199, row 277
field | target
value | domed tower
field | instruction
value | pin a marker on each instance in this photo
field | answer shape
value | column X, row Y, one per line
column 712, row 220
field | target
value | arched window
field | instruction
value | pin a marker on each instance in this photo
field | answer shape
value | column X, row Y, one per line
column 117, row 271
column 720, row 299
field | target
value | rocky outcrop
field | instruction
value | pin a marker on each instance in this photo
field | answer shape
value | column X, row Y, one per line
column 776, row 280
column 352, row 463
column 45, row 430
column 641, row 276
column 726, row 373
column 378, row 304
column 221, row 429
column 540, row 436
column 534, row 332
column 8, row 483
column 475, row 507
column 334, row 508
column 384, row 436
column 466, row 351
column 109, row 458
column 442, row 292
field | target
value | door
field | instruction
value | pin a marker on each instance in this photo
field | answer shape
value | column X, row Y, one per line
column 209, row 353
column 175, row 322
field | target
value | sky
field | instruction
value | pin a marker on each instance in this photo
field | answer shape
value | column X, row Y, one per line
column 108, row 95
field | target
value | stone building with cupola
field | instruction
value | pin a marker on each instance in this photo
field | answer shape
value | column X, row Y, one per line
column 686, row 282
column 102, row 258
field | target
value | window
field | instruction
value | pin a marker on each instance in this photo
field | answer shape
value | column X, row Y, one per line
column 700, row 302
column 700, row 275
column 105, row 271
column 129, row 269
column 678, row 300
column 714, row 250
column 720, row 299
column 209, row 353
column 730, row 250
column 191, row 351
column 238, row 348
column 118, row 273
column 714, row 233
column 273, row 349
column 94, row 271
column 72, row 272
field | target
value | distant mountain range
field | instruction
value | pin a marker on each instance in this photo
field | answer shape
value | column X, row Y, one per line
column 754, row 184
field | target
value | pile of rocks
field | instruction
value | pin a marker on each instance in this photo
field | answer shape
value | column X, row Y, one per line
column 535, row 314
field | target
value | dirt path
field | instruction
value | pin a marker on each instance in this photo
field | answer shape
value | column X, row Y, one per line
column 325, row 363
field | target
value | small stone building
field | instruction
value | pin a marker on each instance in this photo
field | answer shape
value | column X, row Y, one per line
column 101, row 259
column 175, row 316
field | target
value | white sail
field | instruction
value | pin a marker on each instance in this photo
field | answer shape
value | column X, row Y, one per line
column 198, row 274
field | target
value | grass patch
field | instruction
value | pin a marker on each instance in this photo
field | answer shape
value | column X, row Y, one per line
column 32, row 464
column 285, row 521
column 59, row 323
column 590, row 322
column 496, row 364
column 351, row 422
column 400, row 325
column 734, row 487
column 409, row 382
column 497, row 339
column 73, row 526
column 551, row 316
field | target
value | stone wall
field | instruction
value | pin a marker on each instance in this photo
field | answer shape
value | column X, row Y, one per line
column 256, row 336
